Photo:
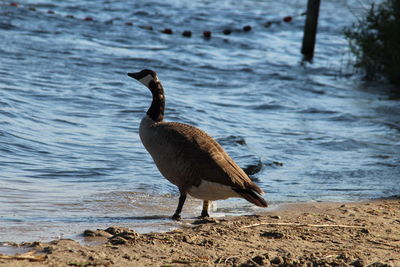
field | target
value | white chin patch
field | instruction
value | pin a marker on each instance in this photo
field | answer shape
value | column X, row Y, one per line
column 146, row 80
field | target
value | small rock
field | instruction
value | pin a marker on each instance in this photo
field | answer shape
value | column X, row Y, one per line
column 358, row 263
column 114, row 230
column 89, row 233
column 96, row 233
column 260, row 260
column 247, row 264
column 272, row 235
column 117, row 240
column 187, row 239
column 277, row 260
column 33, row 244
column 206, row 243
column 48, row 250
column 288, row 261
column 128, row 235
column 126, row 256
column 378, row 264
column 275, row 217
column 205, row 220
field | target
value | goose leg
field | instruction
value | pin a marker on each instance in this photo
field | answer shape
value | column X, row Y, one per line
column 177, row 214
column 204, row 212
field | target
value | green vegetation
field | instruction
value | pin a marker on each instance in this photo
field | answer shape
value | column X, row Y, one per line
column 375, row 41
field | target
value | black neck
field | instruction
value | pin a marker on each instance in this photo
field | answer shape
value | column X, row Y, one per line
column 156, row 110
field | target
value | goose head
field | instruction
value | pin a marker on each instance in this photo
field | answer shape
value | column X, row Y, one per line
column 147, row 77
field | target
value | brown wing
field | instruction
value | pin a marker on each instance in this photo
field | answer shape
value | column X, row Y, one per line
column 201, row 157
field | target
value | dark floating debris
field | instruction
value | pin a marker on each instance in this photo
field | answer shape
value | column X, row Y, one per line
column 227, row 31
column 150, row 28
column 187, row 34
column 167, row 31
column 232, row 138
column 267, row 24
column 253, row 169
column 287, row 19
column 207, row 34
column 247, row 28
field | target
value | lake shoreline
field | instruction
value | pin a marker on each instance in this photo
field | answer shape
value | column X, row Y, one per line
column 359, row 234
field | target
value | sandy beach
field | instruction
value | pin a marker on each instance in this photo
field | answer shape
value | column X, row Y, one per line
column 311, row 234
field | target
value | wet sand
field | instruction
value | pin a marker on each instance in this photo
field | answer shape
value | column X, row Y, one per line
column 313, row 234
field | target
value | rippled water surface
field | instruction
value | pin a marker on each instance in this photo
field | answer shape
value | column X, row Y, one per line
column 70, row 154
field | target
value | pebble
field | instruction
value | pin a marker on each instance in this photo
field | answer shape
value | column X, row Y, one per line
column 117, row 240
column 93, row 233
column 260, row 260
column 277, row 260
column 275, row 217
column 358, row 263
column 275, row 235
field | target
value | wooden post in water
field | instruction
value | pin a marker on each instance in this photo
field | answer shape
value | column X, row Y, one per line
column 310, row 30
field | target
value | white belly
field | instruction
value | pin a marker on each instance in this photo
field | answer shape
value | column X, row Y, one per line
column 212, row 191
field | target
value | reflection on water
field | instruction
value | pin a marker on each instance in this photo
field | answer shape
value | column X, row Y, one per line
column 70, row 155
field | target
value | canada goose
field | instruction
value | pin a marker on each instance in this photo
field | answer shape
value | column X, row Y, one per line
column 189, row 158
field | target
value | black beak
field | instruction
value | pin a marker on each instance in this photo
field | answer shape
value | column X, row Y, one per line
column 134, row 75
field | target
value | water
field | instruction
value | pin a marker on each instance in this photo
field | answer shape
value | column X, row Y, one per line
column 71, row 157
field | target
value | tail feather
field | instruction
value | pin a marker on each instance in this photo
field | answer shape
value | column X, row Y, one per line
column 252, row 196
